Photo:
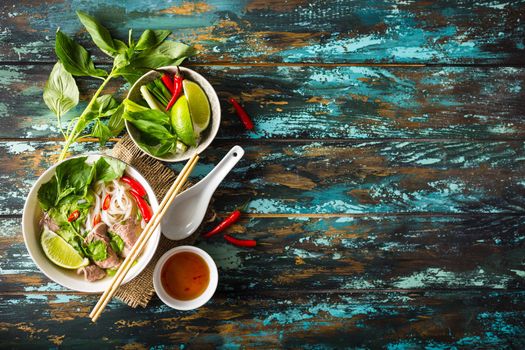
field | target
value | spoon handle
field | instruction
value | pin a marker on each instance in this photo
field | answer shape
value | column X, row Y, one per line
column 215, row 177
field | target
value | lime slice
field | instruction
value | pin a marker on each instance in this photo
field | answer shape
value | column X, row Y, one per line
column 181, row 121
column 60, row 252
column 199, row 105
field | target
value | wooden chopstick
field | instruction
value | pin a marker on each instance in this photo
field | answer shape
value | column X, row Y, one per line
column 143, row 238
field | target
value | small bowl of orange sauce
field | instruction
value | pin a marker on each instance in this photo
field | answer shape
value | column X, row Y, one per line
column 185, row 278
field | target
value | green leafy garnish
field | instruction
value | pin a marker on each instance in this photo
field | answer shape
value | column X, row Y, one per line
column 116, row 243
column 131, row 61
column 60, row 92
column 97, row 250
column 108, row 169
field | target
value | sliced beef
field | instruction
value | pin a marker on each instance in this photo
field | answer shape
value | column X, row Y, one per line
column 129, row 232
column 99, row 233
column 46, row 221
column 92, row 273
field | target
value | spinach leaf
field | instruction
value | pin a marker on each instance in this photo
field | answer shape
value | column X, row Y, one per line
column 75, row 58
column 48, row 194
column 97, row 250
column 151, row 38
column 108, row 169
column 116, row 243
column 61, row 91
column 99, row 33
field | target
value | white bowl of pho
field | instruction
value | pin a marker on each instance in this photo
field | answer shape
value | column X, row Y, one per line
column 82, row 217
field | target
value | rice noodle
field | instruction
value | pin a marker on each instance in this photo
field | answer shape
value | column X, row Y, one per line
column 121, row 205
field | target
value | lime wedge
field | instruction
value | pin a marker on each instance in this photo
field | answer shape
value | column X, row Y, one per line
column 60, row 252
column 181, row 121
column 199, row 105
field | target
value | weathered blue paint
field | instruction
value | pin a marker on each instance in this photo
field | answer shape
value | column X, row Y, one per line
column 357, row 31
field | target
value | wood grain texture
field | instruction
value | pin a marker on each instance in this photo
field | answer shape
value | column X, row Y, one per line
column 316, row 102
column 430, row 319
column 298, row 31
column 329, row 177
column 340, row 254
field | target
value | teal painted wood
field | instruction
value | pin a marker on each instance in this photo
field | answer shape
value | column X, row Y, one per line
column 316, row 102
column 343, row 254
column 329, row 177
column 438, row 320
column 275, row 31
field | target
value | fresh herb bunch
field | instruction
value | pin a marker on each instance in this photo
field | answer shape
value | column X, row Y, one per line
column 130, row 61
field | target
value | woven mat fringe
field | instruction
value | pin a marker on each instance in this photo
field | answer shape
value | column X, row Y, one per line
column 139, row 291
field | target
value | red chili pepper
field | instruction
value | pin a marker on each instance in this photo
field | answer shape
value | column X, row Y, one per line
column 177, row 90
column 167, row 82
column 73, row 216
column 240, row 242
column 232, row 218
column 144, row 208
column 134, row 184
column 107, row 202
column 245, row 118
column 96, row 220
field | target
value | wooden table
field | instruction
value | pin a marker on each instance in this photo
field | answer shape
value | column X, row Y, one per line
column 386, row 173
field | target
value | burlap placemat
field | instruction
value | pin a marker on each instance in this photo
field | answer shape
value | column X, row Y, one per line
column 140, row 290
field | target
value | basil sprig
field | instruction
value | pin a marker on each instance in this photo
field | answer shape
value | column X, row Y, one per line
column 103, row 114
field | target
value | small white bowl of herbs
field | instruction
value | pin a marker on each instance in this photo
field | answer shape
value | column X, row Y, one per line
column 172, row 112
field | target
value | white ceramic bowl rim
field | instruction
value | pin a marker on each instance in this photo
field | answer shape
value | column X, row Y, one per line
column 215, row 107
column 69, row 278
column 186, row 304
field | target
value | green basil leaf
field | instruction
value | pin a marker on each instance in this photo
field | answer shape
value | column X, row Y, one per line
column 151, row 115
column 100, row 35
column 97, row 250
column 151, row 38
column 109, row 169
column 75, row 58
column 48, row 194
column 102, row 132
column 158, row 149
column 116, row 122
column 117, row 244
column 166, row 54
column 153, row 129
column 120, row 46
column 74, row 174
column 61, row 91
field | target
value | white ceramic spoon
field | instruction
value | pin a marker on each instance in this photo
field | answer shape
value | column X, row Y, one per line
column 187, row 211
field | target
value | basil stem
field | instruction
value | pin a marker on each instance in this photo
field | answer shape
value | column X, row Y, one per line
column 80, row 124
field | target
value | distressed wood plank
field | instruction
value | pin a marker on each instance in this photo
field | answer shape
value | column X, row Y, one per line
column 336, row 177
column 316, row 102
column 349, row 253
column 300, row 31
column 372, row 320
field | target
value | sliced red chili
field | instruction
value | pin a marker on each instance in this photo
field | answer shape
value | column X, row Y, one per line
column 134, row 184
column 177, row 90
column 144, row 208
column 167, row 82
column 107, row 202
column 240, row 242
column 243, row 116
column 96, row 220
column 73, row 216
column 230, row 220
